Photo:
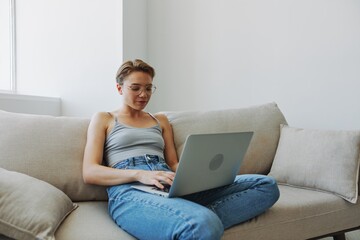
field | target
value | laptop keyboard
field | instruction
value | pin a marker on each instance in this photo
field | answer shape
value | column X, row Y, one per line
column 165, row 189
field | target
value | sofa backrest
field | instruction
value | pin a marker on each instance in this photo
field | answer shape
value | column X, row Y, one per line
column 51, row 148
column 264, row 120
column 48, row 148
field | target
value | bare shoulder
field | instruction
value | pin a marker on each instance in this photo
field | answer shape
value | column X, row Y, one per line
column 162, row 118
column 101, row 117
column 101, row 120
column 164, row 121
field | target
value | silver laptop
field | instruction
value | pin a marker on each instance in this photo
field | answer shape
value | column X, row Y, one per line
column 207, row 161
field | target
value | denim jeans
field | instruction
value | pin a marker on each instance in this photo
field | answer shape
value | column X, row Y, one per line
column 202, row 215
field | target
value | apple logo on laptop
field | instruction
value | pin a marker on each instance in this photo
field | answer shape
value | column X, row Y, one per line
column 216, row 161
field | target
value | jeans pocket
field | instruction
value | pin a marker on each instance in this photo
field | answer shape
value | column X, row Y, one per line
column 165, row 167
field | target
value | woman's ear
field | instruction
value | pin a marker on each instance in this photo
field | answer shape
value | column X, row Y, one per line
column 119, row 88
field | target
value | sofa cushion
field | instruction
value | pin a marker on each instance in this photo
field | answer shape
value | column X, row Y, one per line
column 264, row 120
column 299, row 214
column 30, row 208
column 320, row 160
column 303, row 213
column 48, row 148
column 91, row 215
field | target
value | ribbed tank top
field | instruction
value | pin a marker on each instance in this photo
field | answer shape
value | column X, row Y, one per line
column 124, row 142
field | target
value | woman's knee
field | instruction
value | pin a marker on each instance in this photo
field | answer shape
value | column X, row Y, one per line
column 271, row 189
column 203, row 224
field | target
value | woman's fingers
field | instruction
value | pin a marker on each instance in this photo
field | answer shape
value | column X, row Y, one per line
column 163, row 177
column 157, row 178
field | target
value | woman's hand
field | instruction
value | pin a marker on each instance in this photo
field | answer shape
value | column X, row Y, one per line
column 157, row 178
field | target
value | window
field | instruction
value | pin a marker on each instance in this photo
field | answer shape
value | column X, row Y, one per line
column 7, row 46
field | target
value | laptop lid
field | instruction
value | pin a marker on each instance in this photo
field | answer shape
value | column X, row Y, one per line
column 209, row 161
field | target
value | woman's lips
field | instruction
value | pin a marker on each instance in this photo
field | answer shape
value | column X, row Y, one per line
column 142, row 102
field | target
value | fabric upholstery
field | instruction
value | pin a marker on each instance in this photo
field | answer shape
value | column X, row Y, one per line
column 319, row 159
column 47, row 148
column 91, row 215
column 299, row 214
column 30, row 208
column 264, row 120
column 51, row 149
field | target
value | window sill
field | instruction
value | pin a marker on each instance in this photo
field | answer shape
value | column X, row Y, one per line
column 30, row 104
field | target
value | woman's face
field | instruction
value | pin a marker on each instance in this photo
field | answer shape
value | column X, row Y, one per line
column 136, row 89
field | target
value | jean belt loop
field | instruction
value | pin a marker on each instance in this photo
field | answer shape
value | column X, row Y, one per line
column 132, row 161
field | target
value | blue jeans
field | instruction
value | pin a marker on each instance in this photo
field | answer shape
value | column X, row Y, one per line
column 202, row 215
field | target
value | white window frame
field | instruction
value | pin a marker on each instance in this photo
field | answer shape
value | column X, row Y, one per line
column 12, row 46
column 13, row 84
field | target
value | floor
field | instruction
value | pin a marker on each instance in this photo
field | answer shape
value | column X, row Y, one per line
column 354, row 235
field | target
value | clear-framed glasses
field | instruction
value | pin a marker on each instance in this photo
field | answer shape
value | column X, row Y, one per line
column 138, row 89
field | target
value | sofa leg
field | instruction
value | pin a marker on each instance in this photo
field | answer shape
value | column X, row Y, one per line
column 339, row 236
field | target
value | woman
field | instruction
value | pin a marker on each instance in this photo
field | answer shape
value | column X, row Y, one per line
column 137, row 146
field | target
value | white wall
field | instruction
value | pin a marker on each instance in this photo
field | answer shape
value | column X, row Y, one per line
column 134, row 29
column 70, row 49
column 302, row 54
column 208, row 54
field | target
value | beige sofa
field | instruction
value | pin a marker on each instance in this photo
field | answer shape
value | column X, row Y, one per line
column 42, row 194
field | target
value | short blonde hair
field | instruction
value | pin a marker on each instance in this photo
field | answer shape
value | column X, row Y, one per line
column 129, row 67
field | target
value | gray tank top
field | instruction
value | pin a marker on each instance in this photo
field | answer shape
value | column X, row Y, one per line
column 124, row 142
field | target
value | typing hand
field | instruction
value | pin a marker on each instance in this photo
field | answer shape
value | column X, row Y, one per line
column 156, row 178
column 165, row 189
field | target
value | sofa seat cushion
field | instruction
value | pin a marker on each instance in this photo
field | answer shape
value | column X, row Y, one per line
column 299, row 214
column 264, row 120
column 90, row 221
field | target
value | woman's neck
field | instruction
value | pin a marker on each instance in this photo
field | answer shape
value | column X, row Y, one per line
column 130, row 112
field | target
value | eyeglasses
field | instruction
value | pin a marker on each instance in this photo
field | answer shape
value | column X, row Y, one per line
column 138, row 89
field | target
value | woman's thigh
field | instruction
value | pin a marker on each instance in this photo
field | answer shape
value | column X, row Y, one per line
column 148, row 216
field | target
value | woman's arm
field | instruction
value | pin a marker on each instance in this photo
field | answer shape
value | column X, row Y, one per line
column 168, row 135
column 95, row 173
column 93, row 170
